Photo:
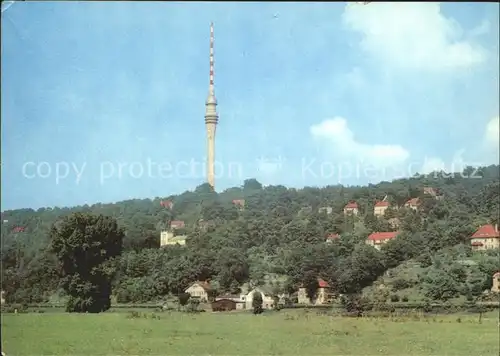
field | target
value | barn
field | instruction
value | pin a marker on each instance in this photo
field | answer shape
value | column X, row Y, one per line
column 224, row 305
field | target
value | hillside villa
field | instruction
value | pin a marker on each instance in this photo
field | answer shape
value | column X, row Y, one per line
column 323, row 294
column 167, row 238
column 485, row 238
column 377, row 239
column 167, row 204
column 200, row 290
column 177, row 224
column 325, row 210
column 380, row 208
column 239, row 203
column 332, row 237
column 351, row 208
column 413, row 204
column 433, row 192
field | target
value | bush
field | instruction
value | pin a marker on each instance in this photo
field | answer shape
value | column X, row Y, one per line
column 394, row 298
column 193, row 306
column 15, row 308
column 355, row 305
column 404, row 299
column 257, row 303
column 184, row 298
column 401, row 283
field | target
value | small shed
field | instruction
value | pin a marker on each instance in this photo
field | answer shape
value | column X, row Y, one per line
column 223, row 305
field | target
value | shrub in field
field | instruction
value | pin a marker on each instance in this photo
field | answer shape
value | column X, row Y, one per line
column 394, row 298
column 257, row 303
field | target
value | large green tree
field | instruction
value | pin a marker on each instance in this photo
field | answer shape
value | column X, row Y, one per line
column 86, row 246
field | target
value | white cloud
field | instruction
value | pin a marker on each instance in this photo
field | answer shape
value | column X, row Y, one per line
column 492, row 132
column 413, row 35
column 336, row 132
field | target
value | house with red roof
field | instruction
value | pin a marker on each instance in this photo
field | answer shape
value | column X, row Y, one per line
column 485, row 238
column 380, row 208
column 377, row 239
column 177, row 224
column 332, row 237
column 496, row 283
column 413, row 204
column 167, row 204
column 351, row 208
column 239, row 203
column 323, row 294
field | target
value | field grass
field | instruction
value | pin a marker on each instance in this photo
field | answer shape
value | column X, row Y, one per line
column 293, row 332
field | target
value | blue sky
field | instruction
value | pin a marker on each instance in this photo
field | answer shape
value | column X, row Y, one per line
column 309, row 94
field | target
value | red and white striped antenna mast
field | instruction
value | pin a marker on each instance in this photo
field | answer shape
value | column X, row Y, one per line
column 211, row 84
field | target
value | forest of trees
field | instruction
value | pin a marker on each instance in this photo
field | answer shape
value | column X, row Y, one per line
column 271, row 239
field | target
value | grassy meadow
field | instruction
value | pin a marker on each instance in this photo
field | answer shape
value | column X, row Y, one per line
column 294, row 332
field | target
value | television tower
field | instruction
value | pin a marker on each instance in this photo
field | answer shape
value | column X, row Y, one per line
column 211, row 117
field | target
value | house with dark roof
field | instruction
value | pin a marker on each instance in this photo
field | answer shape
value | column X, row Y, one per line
column 486, row 237
column 377, row 239
column 323, row 294
column 351, row 208
column 221, row 305
column 238, row 299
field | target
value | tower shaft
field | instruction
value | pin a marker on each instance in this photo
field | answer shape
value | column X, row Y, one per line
column 211, row 117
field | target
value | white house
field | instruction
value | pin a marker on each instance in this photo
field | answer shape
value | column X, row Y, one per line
column 267, row 298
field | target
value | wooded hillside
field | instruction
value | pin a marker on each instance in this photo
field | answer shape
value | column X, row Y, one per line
column 276, row 234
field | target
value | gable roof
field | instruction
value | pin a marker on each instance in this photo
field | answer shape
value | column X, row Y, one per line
column 322, row 283
column 351, row 205
column 378, row 236
column 380, row 204
column 205, row 285
column 266, row 290
column 333, row 236
column 177, row 223
column 413, row 202
column 485, row 231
